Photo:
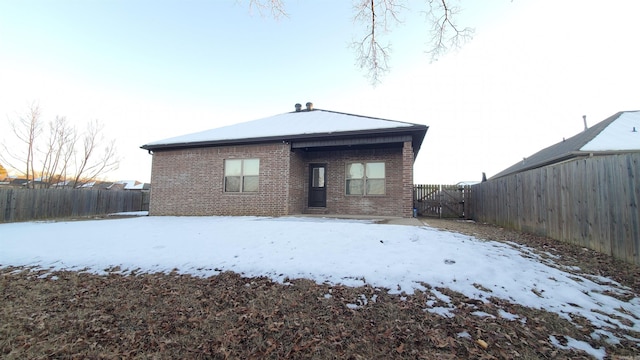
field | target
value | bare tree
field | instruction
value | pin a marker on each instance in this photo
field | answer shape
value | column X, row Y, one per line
column 98, row 156
column 26, row 130
column 59, row 151
column 378, row 16
column 59, row 157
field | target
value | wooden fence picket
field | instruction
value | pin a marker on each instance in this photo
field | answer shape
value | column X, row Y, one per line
column 38, row 204
column 590, row 201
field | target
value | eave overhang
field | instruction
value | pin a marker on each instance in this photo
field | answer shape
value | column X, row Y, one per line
column 414, row 133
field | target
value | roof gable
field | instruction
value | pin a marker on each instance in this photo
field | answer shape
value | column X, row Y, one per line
column 612, row 134
column 298, row 125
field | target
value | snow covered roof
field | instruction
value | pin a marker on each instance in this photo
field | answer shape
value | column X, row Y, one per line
column 623, row 133
column 295, row 125
column 130, row 185
column 88, row 185
column 618, row 133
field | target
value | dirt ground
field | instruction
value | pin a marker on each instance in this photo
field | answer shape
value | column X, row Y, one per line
column 77, row 315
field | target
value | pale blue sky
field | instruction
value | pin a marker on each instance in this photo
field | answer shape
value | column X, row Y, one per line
column 156, row 69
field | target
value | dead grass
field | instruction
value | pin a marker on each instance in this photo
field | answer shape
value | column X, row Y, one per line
column 168, row 316
column 71, row 315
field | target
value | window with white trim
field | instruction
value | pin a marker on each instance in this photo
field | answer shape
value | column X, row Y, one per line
column 241, row 175
column 367, row 178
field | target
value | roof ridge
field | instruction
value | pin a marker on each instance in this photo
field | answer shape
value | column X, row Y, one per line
column 357, row 115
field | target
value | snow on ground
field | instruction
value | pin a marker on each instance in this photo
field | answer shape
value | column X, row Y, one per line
column 349, row 252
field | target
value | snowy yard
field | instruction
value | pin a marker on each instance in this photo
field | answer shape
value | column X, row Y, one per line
column 400, row 259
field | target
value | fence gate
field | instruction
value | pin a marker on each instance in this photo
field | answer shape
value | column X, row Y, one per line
column 443, row 201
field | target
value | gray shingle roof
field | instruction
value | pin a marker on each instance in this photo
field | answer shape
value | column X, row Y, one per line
column 298, row 126
column 562, row 151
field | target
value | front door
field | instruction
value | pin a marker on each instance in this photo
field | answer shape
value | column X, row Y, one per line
column 317, row 185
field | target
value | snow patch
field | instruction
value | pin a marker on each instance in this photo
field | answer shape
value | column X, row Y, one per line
column 574, row 344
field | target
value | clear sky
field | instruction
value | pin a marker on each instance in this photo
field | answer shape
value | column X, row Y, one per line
column 150, row 70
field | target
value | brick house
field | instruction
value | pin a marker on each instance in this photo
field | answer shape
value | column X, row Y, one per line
column 309, row 161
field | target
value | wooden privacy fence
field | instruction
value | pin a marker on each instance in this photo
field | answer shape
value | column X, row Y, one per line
column 591, row 202
column 36, row 204
column 443, row 201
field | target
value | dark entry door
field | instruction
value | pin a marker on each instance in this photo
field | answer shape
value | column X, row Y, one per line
column 317, row 185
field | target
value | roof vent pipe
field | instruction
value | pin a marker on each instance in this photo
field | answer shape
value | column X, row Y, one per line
column 298, row 107
column 309, row 106
column 584, row 119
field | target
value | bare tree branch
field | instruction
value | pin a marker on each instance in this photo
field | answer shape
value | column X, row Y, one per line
column 275, row 7
column 26, row 130
column 58, row 151
column 372, row 55
column 445, row 34
column 90, row 165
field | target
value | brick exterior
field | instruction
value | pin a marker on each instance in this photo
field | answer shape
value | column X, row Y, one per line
column 339, row 203
column 408, row 159
column 190, row 181
column 297, row 183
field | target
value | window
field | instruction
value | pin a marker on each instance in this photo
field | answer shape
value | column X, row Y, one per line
column 317, row 178
column 241, row 175
column 365, row 178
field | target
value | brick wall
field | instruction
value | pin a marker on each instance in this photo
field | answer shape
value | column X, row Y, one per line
column 190, row 182
column 407, row 179
column 298, row 180
column 393, row 203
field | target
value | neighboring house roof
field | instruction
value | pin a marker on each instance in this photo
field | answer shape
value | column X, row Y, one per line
column 64, row 183
column 467, row 183
column 96, row 185
column 132, row 185
column 128, row 184
column 141, row 186
column 618, row 133
column 21, row 182
column 314, row 124
column 88, row 185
